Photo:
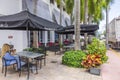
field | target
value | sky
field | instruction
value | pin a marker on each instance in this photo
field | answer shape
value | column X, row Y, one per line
column 113, row 13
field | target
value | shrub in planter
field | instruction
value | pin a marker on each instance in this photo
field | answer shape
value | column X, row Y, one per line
column 33, row 49
column 99, row 48
column 96, row 56
column 92, row 60
column 73, row 58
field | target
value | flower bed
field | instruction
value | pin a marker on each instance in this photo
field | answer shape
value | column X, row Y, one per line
column 94, row 56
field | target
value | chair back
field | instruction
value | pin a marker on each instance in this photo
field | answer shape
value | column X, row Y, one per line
column 8, row 62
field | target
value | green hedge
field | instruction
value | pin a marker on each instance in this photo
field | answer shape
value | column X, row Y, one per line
column 73, row 58
column 33, row 49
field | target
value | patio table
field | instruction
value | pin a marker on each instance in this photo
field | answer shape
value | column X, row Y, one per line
column 28, row 55
column 70, row 46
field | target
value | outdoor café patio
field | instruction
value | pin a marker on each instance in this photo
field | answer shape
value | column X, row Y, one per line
column 53, row 70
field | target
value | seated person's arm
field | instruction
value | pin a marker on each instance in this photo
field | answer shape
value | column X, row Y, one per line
column 8, row 56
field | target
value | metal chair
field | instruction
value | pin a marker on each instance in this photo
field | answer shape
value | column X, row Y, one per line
column 39, row 59
column 6, row 63
column 11, row 61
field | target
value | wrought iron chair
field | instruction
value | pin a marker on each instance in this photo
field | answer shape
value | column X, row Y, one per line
column 11, row 61
column 39, row 59
column 6, row 63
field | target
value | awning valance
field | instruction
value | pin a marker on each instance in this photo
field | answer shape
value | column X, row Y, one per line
column 90, row 29
column 25, row 19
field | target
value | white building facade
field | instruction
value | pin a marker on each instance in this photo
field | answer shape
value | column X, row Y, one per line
column 44, row 9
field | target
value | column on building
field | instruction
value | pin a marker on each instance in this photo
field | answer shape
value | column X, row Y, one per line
column 45, row 37
column 52, row 36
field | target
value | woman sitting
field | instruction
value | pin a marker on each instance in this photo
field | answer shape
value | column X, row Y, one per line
column 8, row 57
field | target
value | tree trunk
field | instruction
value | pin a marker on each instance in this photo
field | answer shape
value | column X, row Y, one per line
column 107, row 31
column 77, row 25
column 85, row 20
column 90, row 19
column 35, row 33
column 61, row 36
column 86, row 40
column 85, row 11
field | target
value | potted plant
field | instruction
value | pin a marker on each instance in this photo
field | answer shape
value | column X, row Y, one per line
column 92, row 62
column 96, row 56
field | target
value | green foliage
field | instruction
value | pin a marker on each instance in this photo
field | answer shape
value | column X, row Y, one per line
column 97, row 47
column 58, row 2
column 73, row 58
column 33, row 49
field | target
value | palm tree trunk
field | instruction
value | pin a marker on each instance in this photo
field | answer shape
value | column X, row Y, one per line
column 85, row 20
column 107, row 31
column 90, row 19
column 60, row 36
column 85, row 11
column 35, row 33
column 77, row 25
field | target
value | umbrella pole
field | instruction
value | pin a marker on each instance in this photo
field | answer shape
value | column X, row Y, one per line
column 27, row 37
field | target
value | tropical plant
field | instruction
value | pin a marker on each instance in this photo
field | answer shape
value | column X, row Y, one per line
column 96, row 54
column 33, row 49
column 73, row 58
column 92, row 60
column 96, row 47
column 69, row 5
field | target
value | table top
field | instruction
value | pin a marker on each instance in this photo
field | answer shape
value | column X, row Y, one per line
column 69, row 46
column 29, row 54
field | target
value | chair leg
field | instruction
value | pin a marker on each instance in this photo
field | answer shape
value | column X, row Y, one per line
column 2, row 68
column 55, row 52
column 19, row 72
column 40, row 64
column 36, row 68
column 5, row 71
column 44, row 61
column 14, row 66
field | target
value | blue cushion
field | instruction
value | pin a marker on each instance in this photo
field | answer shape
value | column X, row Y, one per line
column 8, row 63
column 9, row 59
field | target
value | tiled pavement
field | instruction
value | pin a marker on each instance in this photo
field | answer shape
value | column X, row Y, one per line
column 53, row 71
column 111, row 70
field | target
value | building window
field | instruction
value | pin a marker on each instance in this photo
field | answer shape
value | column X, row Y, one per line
column 56, row 37
column 52, row 1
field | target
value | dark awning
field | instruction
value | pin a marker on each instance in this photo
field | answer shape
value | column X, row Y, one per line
column 90, row 29
column 24, row 20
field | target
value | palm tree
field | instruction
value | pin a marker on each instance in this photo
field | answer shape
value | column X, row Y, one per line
column 60, row 5
column 91, row 10
column 77, row 25
column 69, row 5
column 85, row 11
column 108, row 2
column 35, row 33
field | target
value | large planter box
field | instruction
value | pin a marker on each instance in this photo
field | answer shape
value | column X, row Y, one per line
column 95, row 71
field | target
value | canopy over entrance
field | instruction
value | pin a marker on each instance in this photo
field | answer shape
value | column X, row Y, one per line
column 26, row 21
column 90, row 29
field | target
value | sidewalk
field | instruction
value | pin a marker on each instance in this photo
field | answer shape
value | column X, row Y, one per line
column 111, row 70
